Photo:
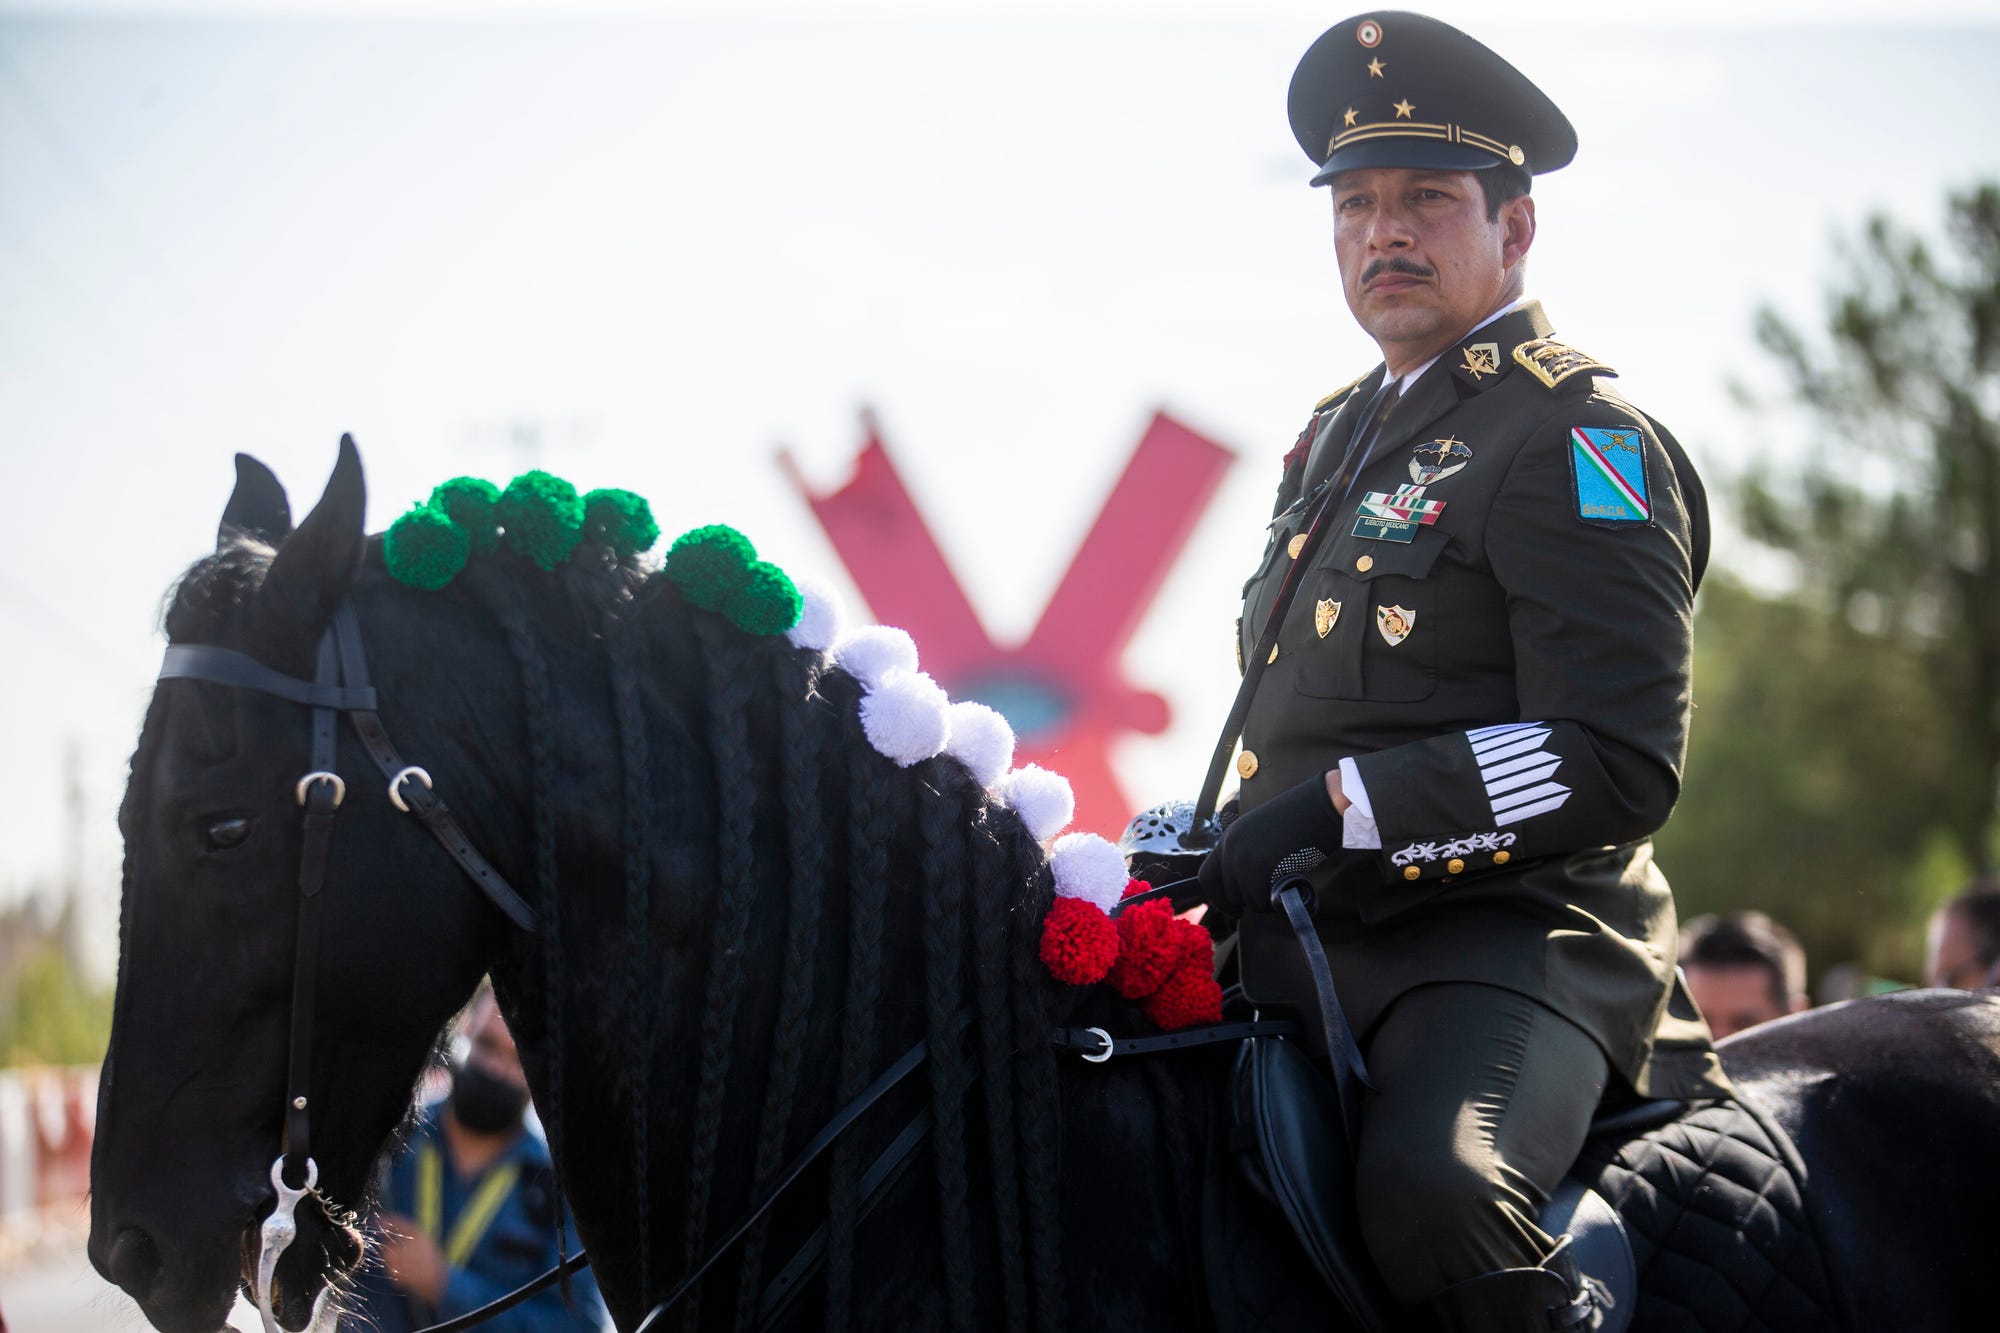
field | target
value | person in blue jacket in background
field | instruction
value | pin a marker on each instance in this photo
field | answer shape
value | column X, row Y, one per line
column 469, row 1207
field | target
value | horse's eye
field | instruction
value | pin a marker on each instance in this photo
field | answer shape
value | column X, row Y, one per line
column 227, row 833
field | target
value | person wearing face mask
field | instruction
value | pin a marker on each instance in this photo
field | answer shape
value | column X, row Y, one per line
column 469, row 1206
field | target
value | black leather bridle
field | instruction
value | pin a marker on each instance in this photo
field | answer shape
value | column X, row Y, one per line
column 340, row 687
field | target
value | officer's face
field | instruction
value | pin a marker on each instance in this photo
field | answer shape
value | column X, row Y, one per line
column 1420, row 261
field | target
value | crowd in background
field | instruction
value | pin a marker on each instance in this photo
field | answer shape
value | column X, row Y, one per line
column 1744, row 968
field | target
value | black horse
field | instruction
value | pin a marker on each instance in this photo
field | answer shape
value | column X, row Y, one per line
column 745, row 915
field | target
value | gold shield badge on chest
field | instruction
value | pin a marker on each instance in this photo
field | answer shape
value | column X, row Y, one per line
column 1326, row 611
column 1394, row 623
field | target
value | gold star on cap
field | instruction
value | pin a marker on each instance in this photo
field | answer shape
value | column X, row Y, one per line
column 1375, row 68
column 1347, row 119
column 1403, row 109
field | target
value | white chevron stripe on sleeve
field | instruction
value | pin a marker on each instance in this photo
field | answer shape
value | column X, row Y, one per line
column 1516, row 771
column 1544, row 769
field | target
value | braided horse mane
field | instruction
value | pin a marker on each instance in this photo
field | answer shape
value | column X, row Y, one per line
column 824, row 882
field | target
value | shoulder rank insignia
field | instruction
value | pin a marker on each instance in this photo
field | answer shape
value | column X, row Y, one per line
column 1338, row 394
column 1552, row 362
column 1608, row 466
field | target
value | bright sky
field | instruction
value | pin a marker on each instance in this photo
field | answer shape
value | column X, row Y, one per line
column 649, row 246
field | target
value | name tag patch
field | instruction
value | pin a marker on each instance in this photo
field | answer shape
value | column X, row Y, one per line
column 1608, row 467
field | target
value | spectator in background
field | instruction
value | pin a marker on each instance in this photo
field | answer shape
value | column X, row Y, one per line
column 1964, row 950
column 469, row 1206
column 1743, row 969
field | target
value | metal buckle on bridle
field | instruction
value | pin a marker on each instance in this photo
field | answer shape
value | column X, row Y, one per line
column 396, row 786
column 1099, row 1057
column 280, row 1229
column 321, row 775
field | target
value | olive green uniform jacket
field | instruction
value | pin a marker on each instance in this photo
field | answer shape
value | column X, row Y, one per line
column 1513, row 683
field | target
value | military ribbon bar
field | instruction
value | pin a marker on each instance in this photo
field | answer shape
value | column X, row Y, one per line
column 1395, row 516
column 1405, row 503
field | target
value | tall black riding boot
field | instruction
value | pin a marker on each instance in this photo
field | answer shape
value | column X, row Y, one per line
column 1555, row 1298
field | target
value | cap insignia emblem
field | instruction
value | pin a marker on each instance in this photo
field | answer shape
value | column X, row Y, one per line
column 1375, row 68
column 1369, row 34
column 1326, row 612
column 1436, row 460
column 1482, row 359
column 1394, row 623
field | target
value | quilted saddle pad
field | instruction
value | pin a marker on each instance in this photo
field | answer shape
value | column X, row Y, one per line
column 1716, row 1212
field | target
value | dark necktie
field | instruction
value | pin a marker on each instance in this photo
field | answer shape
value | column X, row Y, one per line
column 1366, row 431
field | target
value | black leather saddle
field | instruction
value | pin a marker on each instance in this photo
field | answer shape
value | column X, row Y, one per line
column 1690, row 1217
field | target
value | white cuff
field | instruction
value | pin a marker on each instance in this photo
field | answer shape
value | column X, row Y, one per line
column 1357, row 825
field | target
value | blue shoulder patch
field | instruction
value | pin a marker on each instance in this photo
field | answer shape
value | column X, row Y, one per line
column 1607, row 466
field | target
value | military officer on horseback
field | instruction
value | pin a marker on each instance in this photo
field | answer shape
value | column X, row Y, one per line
column 1467, row 687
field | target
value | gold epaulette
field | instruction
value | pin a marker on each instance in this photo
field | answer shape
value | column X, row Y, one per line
column 1552, row 362
column 1337, row 395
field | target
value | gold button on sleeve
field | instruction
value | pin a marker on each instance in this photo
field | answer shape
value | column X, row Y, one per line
column 1411, row 872
column 1455, row 866
column 1295, row 545
column 1246, row 764
column 1502, row 858
column 1365, row 563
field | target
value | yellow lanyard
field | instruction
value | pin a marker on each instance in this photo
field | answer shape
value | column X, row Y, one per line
column 474, row 1218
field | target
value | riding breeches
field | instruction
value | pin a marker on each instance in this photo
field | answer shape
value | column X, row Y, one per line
column 1482, row 1100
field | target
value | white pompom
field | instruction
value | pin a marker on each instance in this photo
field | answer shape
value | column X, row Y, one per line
column 1042, row 799
column 1086, row 866
column 875, row 651
column 982, row 741
column 907, row 716
column 819, row 616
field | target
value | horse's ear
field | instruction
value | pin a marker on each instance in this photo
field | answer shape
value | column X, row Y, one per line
column 318, row 562
column 257, row 508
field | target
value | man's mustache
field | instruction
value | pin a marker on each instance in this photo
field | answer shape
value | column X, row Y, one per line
column 1407, row 267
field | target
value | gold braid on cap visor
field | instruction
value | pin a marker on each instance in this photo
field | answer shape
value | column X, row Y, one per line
column 1418, row 129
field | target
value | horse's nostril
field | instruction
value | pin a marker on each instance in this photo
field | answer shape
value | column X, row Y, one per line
column 135, row 1262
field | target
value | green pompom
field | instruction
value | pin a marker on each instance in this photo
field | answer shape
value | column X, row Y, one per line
column 621, row 520
column 542, row 518
column 470, row 503
column 425, row 548
column 708, row 564
column 766, row 602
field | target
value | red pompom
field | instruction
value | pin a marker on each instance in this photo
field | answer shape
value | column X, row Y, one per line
column 1194, row 943
column 1190, row 996
column 1079, row 942
column 1135, row 886
column 1148, row 950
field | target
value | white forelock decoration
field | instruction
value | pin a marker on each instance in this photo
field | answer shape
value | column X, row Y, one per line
column 906, row 716
column 819, row 615
column 1086, row 866
column 982, row 741
column 874, row 652
column 1042, row 799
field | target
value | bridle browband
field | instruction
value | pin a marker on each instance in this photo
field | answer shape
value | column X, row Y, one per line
column 340, row 687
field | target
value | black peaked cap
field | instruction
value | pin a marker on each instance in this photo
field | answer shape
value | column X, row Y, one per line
column 1392, row 89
